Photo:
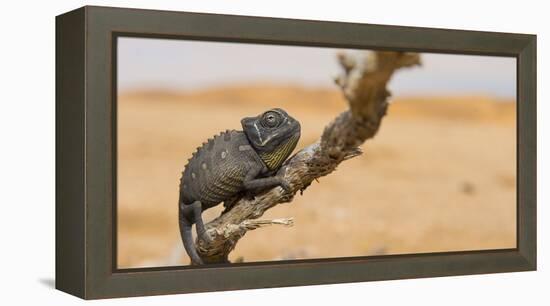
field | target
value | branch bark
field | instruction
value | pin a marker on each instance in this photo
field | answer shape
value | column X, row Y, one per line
column 363, row 84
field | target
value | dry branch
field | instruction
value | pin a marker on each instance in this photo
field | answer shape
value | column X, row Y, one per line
column 363, row 84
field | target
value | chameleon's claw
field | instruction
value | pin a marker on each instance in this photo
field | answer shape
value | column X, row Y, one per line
column 285, row 185
column 205, row 237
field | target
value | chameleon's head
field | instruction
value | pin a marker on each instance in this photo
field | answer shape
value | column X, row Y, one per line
column 273, row 134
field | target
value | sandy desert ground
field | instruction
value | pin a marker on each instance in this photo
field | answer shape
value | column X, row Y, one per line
column 439, row 176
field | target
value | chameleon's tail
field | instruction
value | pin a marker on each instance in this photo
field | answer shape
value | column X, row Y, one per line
column 187, row 236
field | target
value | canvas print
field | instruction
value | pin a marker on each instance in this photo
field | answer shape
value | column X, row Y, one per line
column 236, row 152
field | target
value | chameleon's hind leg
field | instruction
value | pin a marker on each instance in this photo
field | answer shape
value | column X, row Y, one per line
column 186, row 220
column 196, row 208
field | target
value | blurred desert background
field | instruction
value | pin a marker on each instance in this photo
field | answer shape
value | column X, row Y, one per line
column 439, row 176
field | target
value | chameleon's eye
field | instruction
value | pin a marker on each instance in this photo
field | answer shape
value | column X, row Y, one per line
column 271, row 119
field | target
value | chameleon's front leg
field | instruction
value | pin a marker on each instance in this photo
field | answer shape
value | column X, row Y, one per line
column 251, row 182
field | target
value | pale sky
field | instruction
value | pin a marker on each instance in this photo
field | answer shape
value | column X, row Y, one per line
column 146, row 63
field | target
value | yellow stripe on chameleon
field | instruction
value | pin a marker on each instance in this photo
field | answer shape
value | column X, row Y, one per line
column 274, row 160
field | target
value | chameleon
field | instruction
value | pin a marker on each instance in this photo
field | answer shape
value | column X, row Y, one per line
column 232, row 163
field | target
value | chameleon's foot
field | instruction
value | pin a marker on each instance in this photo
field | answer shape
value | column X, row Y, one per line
column 199, row 223
column 249, row 195
column 203, row 236
column 285, row 185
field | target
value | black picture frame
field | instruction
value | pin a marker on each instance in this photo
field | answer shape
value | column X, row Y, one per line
column 86, row 152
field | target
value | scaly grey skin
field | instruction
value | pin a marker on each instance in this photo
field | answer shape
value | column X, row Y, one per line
column 231, row 163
